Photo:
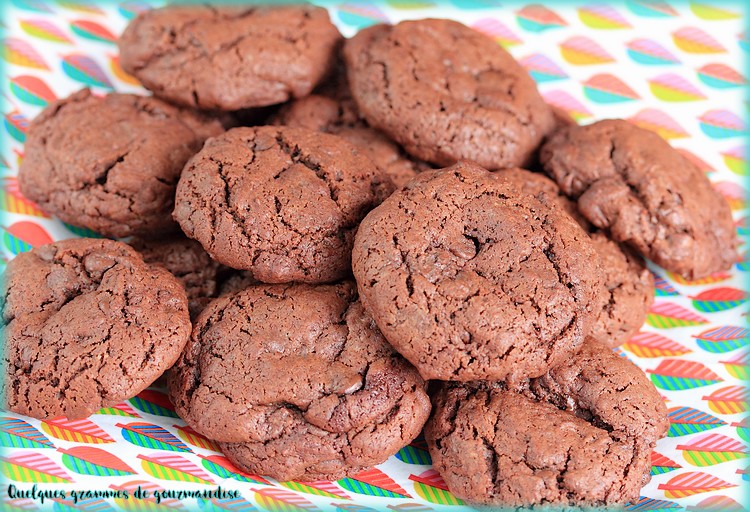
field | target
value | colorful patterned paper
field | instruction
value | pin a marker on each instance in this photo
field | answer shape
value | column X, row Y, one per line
column 669, row 66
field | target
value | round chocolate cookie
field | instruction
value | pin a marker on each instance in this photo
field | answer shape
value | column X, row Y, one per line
column 627, row 287
column 189, row 263
column 111, row 163
column 297, row 383
column 446, row 92
column 282, row 202
column 580, row 435
column 229, row 58
column 86, row 324
column 469, row 278
column 632, row 183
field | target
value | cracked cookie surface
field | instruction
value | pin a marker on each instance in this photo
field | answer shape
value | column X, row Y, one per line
column 632, row 183
column 627, row 286
column 111, row 164
column 297, row 383
column 580, row 434
column 229, row 58
column 470, row 279
column 87, row 324
column 282, row 202
column 446, row 92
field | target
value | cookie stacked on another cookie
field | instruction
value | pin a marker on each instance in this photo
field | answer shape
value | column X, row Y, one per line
column 627, row 285
column 580, row 434
column 632, row 183
column 446, row 92
column 485, row 280
column 86, row 324
column 281, row 202
column 470, row 278
column 229, row 58
column 111, row 163
column 297, row 383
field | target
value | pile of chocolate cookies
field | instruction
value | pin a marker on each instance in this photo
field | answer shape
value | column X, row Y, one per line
column 304, row 271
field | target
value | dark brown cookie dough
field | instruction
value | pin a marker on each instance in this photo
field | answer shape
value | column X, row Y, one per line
column 580, row 435
column 327, row 115
column 229, row 58
column 189, row 263
column 632, row 183
column 446, row 92
column 627, row 287
column 298, row 383
column 86, row 324
column 282, row 202
column 470, row 279
column 111, row 164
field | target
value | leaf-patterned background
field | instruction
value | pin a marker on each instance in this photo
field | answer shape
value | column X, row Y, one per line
column 670, row 66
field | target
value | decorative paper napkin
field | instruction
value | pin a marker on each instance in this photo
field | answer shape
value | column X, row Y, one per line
column 673, row 67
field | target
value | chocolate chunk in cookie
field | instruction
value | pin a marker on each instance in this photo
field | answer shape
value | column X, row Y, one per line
column 189, row 263
column 297, row 383
column 111, row 163
column 446, row 92
column 86, row 324
column 229, row 58
column 632, row 183
column 470, row 279
column 627, row 289
column 282, row 202
column 580, row 435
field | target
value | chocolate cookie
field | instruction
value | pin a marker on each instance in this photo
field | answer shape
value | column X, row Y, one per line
column 229, row 58
column 580, row 435
column 632, row 183
column 601, row 386
column 627, row 290
column 282, row 202
column 111, row 164
column 189, row 263
column 469, row 278
column 86, row 324
column 298, row 383
column 341, row 118
column 446, row 92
